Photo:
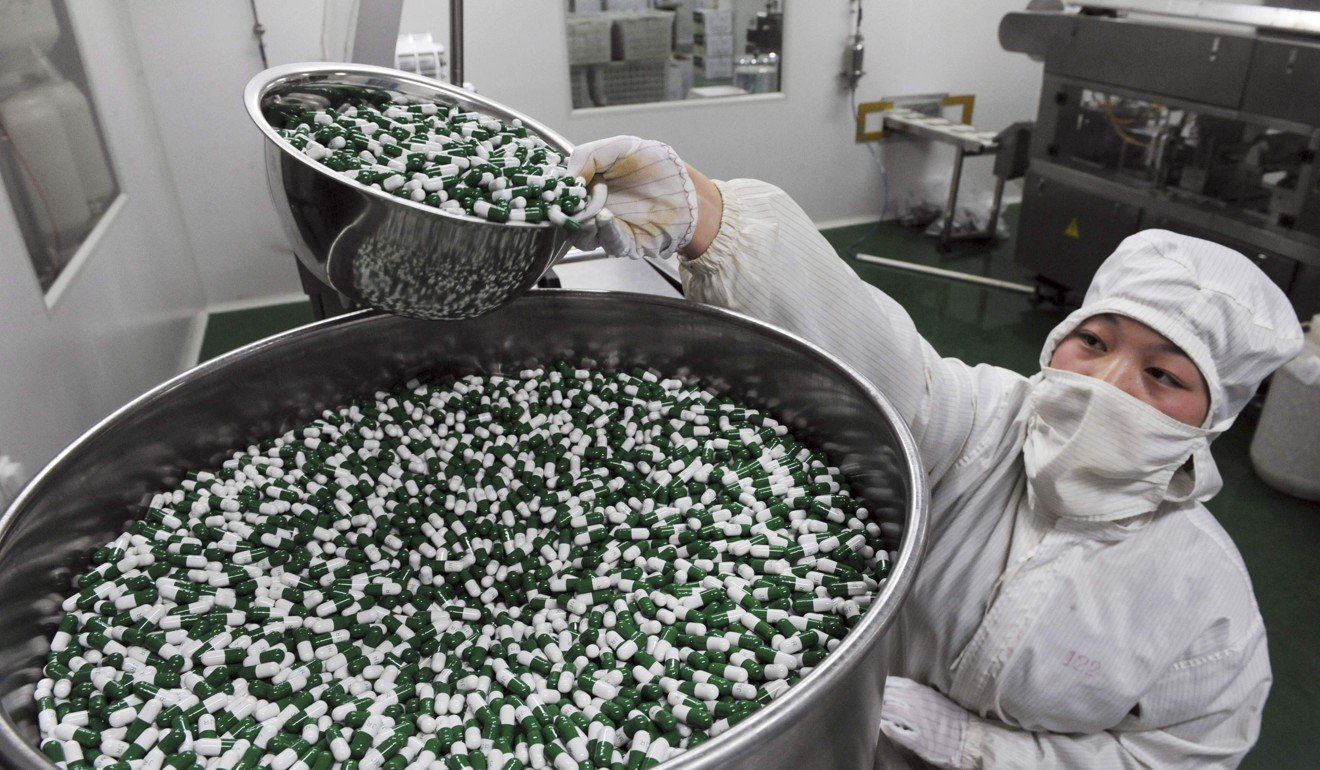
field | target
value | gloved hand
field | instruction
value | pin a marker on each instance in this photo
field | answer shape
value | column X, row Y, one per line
column 919, row 718
column 651, row 207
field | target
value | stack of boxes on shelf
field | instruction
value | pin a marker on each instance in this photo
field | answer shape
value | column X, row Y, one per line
column 642, row 45
column 636, row 51
column 589, row 45
column 712, row 51
column 618, row 52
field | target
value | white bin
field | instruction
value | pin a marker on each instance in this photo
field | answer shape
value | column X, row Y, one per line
column 1286, row 448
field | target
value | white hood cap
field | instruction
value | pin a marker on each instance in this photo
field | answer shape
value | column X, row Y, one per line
column 1228, row 316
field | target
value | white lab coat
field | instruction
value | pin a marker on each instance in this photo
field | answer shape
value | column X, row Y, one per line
column 1073, row 644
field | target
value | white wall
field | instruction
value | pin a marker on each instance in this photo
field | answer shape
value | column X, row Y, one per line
column 203, row 53
column 804, row 142
column 199, row 57
column 124, row 322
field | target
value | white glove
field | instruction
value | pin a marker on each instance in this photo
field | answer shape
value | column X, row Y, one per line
column 918, row 718
column 651, row 207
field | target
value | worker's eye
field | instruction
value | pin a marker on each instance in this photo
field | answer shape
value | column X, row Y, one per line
column 1090, row 340
column 1165, row 378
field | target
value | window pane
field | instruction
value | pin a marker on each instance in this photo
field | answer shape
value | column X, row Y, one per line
column 642, row 51
column 52, row 155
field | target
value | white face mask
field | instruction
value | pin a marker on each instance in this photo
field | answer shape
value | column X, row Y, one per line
column 1094, row 452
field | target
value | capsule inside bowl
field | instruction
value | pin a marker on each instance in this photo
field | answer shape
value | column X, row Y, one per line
column 432, row 152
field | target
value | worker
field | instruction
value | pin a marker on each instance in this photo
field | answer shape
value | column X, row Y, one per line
column 1077, row 605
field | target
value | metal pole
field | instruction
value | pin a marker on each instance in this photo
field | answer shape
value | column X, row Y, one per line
column 456, row 42
column 992, row 229
column 259, row 32
column 993, row 283
column 951, row 207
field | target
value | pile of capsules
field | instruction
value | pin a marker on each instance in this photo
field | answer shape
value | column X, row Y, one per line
column 440, row 155
column 397, row 272
column 559, row 567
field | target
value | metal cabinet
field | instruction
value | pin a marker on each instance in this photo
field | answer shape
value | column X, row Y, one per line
column 1065, row 232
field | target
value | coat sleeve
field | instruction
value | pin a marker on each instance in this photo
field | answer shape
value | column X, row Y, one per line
column 1210, row 706
column 769, row 261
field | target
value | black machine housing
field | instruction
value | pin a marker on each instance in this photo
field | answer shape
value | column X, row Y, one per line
column 1208, row 130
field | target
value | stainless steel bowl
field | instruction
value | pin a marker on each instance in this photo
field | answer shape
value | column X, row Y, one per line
column 378, row 249
column 83, row 498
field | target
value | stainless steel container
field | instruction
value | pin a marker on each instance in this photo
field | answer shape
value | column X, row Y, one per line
column 84, row 497
column 383, row 251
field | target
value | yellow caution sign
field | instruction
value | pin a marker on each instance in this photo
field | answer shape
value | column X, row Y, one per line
column 1071, row 231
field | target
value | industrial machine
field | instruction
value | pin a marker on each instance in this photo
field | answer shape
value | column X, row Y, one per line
column 765, row 31
column 1199, row 118
column 758, row 70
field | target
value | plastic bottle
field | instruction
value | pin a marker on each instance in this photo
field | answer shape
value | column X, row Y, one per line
column 88, row 151
column 28, row 25
column 1284, row 451
column 47, row 165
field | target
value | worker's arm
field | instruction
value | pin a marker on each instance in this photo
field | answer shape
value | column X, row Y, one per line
column 1203, row 712
column 755, row 251
column 1209, row 706
column 748, row 247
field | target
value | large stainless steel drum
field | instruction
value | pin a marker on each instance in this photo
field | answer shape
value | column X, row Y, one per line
column 84, row 497
column 375, row 248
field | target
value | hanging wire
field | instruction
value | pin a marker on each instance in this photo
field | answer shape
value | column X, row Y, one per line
column 259, row 32
column 876, row 155
column 1115, row 124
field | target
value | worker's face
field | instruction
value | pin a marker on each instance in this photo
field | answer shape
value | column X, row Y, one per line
column 1138, row 360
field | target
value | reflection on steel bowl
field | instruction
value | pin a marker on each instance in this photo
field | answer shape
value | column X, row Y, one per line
column 387, row 252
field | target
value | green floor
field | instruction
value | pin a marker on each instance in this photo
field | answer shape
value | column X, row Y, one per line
column 234, row 329
column 1278, row 535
